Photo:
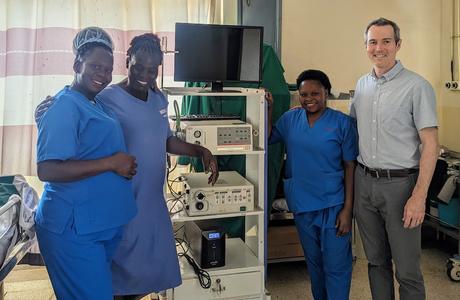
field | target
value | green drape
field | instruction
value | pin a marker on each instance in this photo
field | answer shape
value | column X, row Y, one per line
column 7, row 189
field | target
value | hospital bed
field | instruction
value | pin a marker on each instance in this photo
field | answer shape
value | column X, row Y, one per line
column 18, row 202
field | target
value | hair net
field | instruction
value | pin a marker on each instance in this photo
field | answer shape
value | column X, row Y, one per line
column 91, row 35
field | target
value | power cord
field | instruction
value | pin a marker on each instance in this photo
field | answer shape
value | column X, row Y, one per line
column 203, row 276
column 179, row 134
column 176, row 203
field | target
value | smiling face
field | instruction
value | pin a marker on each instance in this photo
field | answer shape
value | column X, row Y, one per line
column 143, row 71
column 382, row 47
column 93, row 72
column 312, row 96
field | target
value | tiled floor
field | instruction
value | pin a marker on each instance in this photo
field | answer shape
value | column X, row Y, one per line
column 291, row 280
column 285, row 280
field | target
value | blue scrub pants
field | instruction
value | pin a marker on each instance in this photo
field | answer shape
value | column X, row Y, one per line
column 79, row 265
column 329, row 258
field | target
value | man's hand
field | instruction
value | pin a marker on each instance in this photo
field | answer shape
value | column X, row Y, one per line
column 414, row 211
column 343, row 222
column 210, row 165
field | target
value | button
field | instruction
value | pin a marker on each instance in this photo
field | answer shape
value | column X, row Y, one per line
column 199, row 205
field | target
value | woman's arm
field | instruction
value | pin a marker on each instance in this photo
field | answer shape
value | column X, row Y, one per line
column 72, row 170
column 179, row 147
column 343, row 222
column 269, row 99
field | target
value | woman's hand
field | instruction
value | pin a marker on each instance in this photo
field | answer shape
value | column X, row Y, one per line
column 42, row 108
column 210, row 165
column 343, row 222
column 123, row 164
column 269, row 99
column 179, row 147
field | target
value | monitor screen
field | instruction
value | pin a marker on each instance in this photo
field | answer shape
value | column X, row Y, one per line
column 218, row 53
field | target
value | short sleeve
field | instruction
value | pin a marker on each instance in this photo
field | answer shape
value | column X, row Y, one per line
column 350, row 140
column 58, row 132
column 164, row 105
column 169, row 133
column 424, row 106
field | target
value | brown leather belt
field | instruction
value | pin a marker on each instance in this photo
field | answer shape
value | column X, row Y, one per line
column 377, row 173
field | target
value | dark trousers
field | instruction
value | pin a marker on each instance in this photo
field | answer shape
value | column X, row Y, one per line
column 379, row 207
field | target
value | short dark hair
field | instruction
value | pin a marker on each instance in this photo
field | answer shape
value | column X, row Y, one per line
column 147, row 42
column 316, row 75
column 384, row 22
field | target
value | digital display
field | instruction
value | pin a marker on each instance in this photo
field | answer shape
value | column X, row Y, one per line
column 207, row 52
column 214, row 235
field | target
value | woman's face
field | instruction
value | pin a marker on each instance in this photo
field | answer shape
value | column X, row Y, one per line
column 312, row 96
column 94, row 71
column 143, row 70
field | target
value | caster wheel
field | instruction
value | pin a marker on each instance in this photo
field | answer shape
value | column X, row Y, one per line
column 453, row 272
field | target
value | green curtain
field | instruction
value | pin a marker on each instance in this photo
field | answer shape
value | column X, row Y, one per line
column 273, row 80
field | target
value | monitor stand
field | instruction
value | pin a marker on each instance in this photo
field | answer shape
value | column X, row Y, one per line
column 218, row 87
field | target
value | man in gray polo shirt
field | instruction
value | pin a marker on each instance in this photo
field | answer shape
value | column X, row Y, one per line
column 395, row 111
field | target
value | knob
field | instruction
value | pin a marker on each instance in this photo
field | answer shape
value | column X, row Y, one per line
column 200, row 196
column 197, row 134
column 199, row 205
column 448, row 85
column 454, row 85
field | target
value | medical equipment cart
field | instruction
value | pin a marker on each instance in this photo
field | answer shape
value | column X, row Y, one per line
column 243, row 276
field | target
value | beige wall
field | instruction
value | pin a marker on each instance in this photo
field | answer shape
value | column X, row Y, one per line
column 328, row 35
column 450, row 100
column 226, row 12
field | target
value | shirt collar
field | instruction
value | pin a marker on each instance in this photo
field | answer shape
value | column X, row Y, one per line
column 398, row 67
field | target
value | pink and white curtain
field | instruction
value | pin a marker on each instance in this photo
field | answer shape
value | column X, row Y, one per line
column 36, row 55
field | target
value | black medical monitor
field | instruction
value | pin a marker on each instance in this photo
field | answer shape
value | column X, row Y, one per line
column 218, row 54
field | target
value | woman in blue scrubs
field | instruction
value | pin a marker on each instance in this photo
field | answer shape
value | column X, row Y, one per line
column 321, row 147
column 82, row 158
column 146, row 260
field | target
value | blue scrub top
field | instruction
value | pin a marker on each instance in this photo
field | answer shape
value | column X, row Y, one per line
column 74, row 128
column 314, row 176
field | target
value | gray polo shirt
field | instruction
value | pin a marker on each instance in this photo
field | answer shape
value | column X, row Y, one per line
column 390, row 111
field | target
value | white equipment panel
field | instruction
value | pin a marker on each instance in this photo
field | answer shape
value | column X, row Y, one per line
column 219, row 135
column 231, row 193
